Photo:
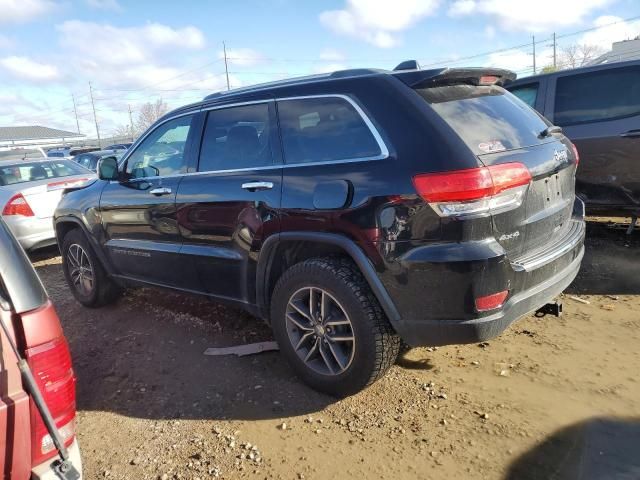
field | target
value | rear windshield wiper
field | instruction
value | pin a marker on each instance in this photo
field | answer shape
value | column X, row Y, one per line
column 547, row 132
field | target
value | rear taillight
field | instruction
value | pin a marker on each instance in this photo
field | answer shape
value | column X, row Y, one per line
column 576, row 154
column 17, row 205
column 51, row 366
column 475, row 191
column 491, row 302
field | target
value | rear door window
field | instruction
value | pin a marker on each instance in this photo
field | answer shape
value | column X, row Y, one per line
column 487, row 118
column 324, row 129
column 236, row 138
column 527, row 93
column 597, row 96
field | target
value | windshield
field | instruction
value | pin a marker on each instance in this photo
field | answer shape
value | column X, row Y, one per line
column 488, row 118
column 21, row 172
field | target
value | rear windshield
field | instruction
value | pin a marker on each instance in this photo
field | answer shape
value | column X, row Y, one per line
column 487, row 118
column 34, row 171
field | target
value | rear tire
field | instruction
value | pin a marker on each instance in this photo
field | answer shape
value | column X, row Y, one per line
column 324, row 358
column 85, row 275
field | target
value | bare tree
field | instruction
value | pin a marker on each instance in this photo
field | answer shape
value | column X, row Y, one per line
column 122, row 131
column 573, row 56
column 149, row 113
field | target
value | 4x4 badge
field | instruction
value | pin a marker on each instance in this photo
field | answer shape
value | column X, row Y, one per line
column 509, row 236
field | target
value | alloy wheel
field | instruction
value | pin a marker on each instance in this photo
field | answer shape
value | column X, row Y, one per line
column 320, row 331
column 80, row 269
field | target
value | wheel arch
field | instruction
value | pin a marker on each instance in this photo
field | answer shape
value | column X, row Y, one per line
column 63, row 225
column 298, row 246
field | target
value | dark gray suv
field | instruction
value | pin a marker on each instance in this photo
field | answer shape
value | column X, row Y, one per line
column 598, row 107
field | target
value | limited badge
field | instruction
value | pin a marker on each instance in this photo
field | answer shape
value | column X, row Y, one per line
column 491, row 146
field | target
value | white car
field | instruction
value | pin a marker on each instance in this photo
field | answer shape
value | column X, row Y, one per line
column 30, row 190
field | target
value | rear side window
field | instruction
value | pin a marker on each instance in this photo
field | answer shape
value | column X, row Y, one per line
column 33, row 172
column 487, row 118
column 236, row 137
column 324, row 129
column 597, row 96
column 527, row 93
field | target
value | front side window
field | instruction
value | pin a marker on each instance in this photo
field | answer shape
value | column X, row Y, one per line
column 324, row 129
column 527, row 93
column 597, row 96
column 162, row 152
column 236, row 137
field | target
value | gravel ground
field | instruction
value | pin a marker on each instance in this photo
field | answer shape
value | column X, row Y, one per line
column 550, row 398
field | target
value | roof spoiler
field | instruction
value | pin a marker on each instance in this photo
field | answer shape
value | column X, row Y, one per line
column 452, row 76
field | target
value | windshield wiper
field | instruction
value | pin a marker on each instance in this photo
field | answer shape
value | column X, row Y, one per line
column 547, row 132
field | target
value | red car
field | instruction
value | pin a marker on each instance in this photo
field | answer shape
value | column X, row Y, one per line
column 27, row 450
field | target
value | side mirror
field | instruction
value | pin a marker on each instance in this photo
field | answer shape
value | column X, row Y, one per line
column 108, row 168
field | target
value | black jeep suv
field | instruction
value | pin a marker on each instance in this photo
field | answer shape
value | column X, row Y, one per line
column 349, row 210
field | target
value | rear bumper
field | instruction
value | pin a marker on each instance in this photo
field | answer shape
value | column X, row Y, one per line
column 32, row 232
column 447, row 332
column 45, row 472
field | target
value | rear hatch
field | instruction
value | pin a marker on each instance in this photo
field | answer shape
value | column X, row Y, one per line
column 43, row 196
column 500, row 129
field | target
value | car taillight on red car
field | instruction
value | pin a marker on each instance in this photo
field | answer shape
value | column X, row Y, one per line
column 474, row 191
column 50, row 364
column 17, row 205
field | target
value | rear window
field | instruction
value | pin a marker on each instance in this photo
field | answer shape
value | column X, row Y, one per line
column 597, row 96
column 487, row 118
column 323, row 130
column 35, row 171
column 55, row 154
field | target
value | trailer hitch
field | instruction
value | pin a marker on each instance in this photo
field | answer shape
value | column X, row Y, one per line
column 554, row 309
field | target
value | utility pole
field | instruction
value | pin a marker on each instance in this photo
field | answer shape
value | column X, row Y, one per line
column 131, row 122
column 93, row 105
column 554, row 50
column 533, row 43
column 226, row 67
column 75, row 111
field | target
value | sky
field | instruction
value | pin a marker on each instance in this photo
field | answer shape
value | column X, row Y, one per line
column 134, row 52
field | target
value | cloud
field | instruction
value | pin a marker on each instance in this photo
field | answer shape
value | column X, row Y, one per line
column 611, row 29
column 125, row 45
column 24, row 68
column 243, row 57
column 21, row 11
column 5, row 42
column 534, row 16
column 112, row 5
column 330, row 55
column 377, row 21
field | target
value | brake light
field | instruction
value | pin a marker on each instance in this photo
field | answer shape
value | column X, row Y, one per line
column 17, row 205
column 474, row 191
column 575, row 153
column 491, row 302
column 51, row 367
column 488, row 80
column 66, row 184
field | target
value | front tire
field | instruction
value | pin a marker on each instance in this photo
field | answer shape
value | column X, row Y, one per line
column 330, row 327
column 84, row 273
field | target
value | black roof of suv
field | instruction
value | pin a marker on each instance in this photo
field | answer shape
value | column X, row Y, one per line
column 350, row 210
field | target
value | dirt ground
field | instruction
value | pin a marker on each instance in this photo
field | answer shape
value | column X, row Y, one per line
column 549, row 399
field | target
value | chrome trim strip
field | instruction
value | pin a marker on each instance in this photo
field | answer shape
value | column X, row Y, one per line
column 574, row 238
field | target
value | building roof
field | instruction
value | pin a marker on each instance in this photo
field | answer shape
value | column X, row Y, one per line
column 33, row 132
column 620, row 51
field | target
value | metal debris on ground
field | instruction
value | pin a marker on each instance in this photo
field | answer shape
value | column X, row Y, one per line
column 242, row 350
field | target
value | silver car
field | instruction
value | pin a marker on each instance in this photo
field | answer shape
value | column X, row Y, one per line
column 30, row 190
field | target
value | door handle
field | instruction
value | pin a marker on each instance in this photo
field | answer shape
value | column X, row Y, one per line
column 631, row 134
column 255, row 186
column 158, row 191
